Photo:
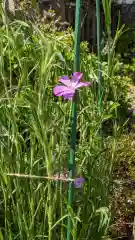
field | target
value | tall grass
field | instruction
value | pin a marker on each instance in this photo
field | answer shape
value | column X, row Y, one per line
column 34, row 139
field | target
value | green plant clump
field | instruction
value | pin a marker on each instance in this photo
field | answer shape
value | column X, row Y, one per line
column 34, row 130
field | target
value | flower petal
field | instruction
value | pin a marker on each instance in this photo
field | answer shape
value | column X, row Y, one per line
column 69, row 96
column 78, row 182
column 76, row 77
column 65, row 80
column 63, row 91
column 82, row 84
column 58, row 90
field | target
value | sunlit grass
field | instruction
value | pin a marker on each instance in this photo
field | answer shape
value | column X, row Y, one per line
column 34, row 139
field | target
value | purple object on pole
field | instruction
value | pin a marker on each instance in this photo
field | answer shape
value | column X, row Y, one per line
column 78, row 182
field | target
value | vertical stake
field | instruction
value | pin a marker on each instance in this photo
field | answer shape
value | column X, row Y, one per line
column 99, row 56
column 74, row 114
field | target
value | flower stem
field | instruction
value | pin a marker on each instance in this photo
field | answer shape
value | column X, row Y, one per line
column 49, row 211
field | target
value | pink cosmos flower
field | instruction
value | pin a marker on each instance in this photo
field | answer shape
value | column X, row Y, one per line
column 68, row 87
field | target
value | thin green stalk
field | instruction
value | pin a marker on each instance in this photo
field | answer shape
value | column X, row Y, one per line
column 99, row 55
column 74, row 114
column 49, row 211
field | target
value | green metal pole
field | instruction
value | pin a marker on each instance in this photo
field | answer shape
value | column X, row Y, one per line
column 99, row 55
column 74, row 114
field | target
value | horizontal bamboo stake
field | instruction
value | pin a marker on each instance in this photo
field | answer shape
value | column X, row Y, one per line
column 55, row 178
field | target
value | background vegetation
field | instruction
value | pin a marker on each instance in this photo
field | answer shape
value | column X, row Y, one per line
column 35, row 137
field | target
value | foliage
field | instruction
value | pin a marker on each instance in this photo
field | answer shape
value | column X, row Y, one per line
column 123, row 194
column 34, row 140
column 126, row 44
